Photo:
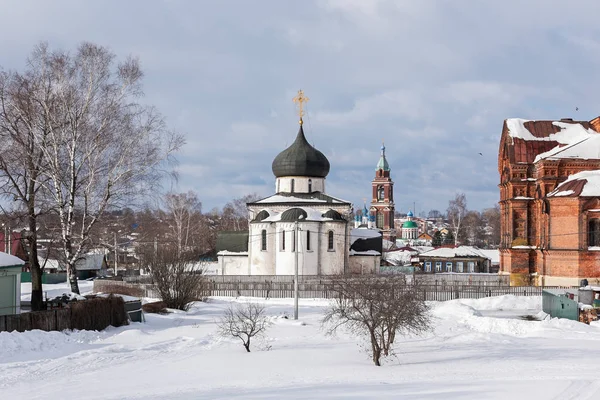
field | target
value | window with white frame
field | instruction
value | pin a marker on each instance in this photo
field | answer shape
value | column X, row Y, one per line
column 459, row 266
column 471, row 266
column 449, row 266
column 282, row 247
column 438, row 266
column 427, row 266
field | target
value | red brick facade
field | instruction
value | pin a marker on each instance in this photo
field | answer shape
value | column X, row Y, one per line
column 545, row 240
column 382, row 204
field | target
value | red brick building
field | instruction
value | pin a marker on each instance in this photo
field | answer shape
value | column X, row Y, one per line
column 550, row 207
column 382, row 202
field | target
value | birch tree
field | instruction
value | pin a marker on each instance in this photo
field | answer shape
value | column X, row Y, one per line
column 103, row 147
column 457, row 209
column 26, row 100
column 182, row 208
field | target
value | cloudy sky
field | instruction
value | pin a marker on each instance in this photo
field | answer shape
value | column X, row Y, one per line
column 434, row 79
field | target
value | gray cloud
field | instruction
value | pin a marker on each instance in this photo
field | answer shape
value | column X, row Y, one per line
column 433, row 79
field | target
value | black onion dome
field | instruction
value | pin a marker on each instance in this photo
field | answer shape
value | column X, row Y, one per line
column 301, row 159
column 293, row 215
column 334, row 215
column 261, row 215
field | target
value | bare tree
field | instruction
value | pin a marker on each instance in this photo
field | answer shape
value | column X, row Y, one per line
column 177, row 277
column 235, row 213
column 491, row 216
column 457, row 209
column 378, row 308
column 25, row 125
column 182, row 209
column 244, row 321
column 101, row 147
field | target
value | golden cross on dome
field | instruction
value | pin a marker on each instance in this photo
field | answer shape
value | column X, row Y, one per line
column 300, row 99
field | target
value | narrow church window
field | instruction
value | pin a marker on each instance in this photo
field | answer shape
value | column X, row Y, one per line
column 330, row 241
column 310, row 186
column 308, row 240
column 282, row 240
column 594, row 232
column 294, row 241
column 293, row 185
column 380, row 193
column 263, row 235
column 379, row 220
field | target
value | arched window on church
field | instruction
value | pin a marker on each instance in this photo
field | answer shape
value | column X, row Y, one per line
column 263, row 240
column 293, row 185
column 310, row 186
column 380, row 193
column 282, row 240
column 330, row 241
column 308, row 240
column 380, row 220
column 594, row 232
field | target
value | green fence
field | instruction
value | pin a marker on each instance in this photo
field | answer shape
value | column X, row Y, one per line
column 558, row 305
column 46, row 278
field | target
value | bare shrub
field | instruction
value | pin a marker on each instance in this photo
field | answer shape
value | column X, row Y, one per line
column 177, row 280
column 157, row 307
column 378, row 308
column 244, row 321
column 120, row 288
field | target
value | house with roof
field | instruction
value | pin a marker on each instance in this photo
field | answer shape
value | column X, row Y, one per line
column 299, row 224
column 550, row 201
column 10, row 284
column 461, row 259
column 12, row 243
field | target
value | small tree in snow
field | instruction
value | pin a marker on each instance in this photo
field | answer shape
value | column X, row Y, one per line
column 377, row 308
column 176, row 277
column 244, row 321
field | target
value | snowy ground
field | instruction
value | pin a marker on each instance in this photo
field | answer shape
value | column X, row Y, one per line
column 480, row 349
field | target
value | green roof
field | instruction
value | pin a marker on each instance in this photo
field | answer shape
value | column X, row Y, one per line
column 410, row 224
column 235, row 242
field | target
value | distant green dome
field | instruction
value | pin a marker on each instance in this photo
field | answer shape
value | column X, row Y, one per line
column 410, row 224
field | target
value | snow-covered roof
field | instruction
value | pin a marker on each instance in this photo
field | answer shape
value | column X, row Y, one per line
column 51, row 263
column 461, row 251
column 585, row 148
column 7, row 260
column 585, row 183
column 568, row 133
column 90, row 262
column 363, row 240
column 363, row 233
column 492, row 254
column 401, row 257
column 364, row 253
column 301, row 198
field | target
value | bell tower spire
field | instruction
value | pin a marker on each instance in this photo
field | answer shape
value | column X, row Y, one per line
column 382, row 205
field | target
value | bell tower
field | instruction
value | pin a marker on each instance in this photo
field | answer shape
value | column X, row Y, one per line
column 382, row 205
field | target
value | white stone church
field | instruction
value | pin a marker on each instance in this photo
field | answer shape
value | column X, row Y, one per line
column 326, row 243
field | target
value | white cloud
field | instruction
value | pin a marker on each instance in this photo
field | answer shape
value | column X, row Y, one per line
column 435, row 79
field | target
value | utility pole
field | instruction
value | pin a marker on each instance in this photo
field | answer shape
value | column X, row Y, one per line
column 296, row 270
column 116, row 254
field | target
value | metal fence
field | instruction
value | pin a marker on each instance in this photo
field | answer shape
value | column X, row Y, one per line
column 322, row 288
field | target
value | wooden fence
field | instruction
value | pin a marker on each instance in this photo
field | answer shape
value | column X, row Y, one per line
column 93, row 314
column 322, row 289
